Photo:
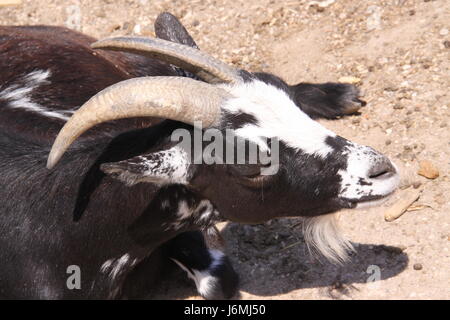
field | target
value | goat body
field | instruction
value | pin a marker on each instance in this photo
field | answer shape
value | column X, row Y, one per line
column 120, row 236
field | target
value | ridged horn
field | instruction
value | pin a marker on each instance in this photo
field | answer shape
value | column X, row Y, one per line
column 190, row 59
column 175, row 98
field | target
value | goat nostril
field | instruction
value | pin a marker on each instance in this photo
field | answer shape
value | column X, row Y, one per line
column 378, row 175
column 382, row 170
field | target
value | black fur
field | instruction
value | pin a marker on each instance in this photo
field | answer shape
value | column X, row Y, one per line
column 327, row 100
column 192, row 250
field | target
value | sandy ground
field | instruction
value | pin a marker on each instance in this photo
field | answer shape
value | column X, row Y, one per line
column 400, row 50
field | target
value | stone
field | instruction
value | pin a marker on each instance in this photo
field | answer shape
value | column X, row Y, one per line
column 428, row 170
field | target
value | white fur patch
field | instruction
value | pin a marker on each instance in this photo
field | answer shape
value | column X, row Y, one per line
column 115, row 267
column 171, row 166
column 278, row 117
column 161, row 168
column 204, row 281
column 322, row 235
column 216, row 256
column 184, row 211
column 18, row 97
column 106, row 265
column 355, row 182
column 192, row 215
column 208, row 208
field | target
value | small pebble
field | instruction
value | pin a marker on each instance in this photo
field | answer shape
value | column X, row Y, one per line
column 416, row 184
column 428, row 170
column 443, row 32
column 440, row 200
column 137, row 29
column 5, row 3
column 417, row 266
column 114, row 27
column 349, row 79
column 447, row 44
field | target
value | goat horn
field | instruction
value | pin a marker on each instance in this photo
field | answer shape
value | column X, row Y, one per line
column 181, row 99
column 191, row 59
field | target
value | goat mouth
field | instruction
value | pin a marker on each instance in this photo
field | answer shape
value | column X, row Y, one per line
column 369, row 201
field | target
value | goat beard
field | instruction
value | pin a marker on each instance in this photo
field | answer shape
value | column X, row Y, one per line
column 323, row 235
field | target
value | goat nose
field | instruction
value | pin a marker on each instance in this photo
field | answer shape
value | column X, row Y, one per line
column 382, row 169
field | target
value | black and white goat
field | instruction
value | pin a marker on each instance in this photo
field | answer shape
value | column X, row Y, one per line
column 89, row 210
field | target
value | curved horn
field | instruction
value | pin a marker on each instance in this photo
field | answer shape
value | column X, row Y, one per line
column 175, row 98
column 198, row 62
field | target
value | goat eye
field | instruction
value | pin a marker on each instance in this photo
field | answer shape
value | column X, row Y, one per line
column 246, row 170
column 255, row 181
column 250, row 175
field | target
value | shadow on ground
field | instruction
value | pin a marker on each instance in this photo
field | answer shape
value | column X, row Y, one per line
column 273, row 259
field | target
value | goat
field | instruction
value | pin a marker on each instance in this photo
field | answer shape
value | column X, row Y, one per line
column 124, row 199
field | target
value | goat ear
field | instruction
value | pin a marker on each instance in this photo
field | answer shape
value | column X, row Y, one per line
column 327, row 100
column 162, row 167
column 169, row 28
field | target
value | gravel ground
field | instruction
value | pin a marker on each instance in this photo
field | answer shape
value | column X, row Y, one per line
column 399, row 53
